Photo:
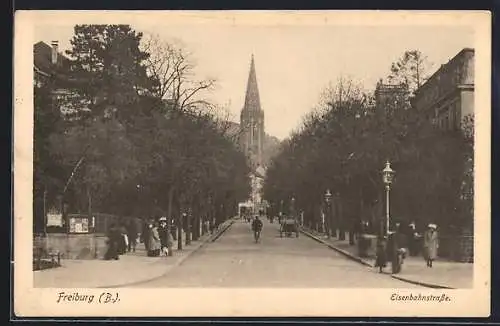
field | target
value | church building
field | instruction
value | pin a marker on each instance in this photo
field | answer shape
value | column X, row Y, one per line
column 252, row 134
column 252, row 121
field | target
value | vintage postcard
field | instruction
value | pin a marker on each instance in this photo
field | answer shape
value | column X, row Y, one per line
column 252, row 163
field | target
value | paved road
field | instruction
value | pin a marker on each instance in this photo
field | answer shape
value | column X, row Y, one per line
column 234, row 260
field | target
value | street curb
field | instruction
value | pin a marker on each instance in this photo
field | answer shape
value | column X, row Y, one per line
column 362, row 261
column 428, row 285
column 220, row 233
column 343, row 252
column 177, row 263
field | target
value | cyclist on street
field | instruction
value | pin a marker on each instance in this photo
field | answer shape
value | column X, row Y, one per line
column 256, row 228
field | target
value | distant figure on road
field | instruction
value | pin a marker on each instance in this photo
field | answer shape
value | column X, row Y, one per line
column 430, row 244
column 256, row 228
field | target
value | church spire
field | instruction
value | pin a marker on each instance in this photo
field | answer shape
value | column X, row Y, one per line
column 252, row 99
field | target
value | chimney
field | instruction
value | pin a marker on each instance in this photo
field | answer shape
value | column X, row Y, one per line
column 55, row 49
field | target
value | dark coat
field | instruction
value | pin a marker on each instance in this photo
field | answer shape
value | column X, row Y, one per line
column 381, row 260
column 153, row 240
column 257, row 225
column 165, row 237
column 114, row 243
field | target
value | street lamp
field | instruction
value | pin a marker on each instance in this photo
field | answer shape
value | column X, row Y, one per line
column 292, row 208
column 328, row 199
column 387, row 177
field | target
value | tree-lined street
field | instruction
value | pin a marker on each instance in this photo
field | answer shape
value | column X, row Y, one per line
column 235, row 260
column 128, row 146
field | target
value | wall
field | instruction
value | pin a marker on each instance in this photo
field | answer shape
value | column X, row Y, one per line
column 76, row 246
column 467, row 99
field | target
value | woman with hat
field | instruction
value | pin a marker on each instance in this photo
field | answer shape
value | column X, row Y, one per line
column 430, row 244
column 165, row 236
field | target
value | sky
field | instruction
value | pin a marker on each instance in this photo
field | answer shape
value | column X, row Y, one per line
column 294, row 63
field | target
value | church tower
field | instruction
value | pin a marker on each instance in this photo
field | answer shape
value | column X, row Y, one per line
column 252, row 121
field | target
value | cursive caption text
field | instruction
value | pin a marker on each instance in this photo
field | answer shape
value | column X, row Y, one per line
column 420, row 297
column 75, row 297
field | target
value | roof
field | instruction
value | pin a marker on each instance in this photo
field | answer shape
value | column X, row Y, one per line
column 42, row 56
column 442, row 69
column 252, row 98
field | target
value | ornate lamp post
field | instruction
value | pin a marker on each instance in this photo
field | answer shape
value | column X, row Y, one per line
column 292, row 207
column 387, row 177
column 328, row 200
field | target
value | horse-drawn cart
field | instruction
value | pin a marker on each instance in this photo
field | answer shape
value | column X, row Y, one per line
column 289, row 226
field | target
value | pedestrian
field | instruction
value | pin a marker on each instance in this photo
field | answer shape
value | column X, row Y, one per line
column 397, row 248
column 153, row 240
column 412, row 239
column 381, row 253
column 132, row 235
column 431, row 244
column 123, row 238
column 113, row 241
column 145, row 234
column 164, row 235
column 173, row 228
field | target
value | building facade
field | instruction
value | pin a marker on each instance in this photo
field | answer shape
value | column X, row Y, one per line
column 52, row 68
column 446, row 98
column 448, row 95
column 252, row 121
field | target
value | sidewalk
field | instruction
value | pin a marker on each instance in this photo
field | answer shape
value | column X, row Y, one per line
column 132, row 268
column 443, row 274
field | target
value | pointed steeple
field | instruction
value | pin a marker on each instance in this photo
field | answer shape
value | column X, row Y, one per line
column 252, row 99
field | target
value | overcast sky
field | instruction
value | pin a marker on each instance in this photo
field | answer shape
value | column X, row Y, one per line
column 293, row 63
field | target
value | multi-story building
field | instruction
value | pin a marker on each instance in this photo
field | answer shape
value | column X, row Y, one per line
column 52, row 67
column 448, row 95
column 446, row 98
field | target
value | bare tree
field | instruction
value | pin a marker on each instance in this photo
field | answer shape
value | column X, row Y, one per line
column 172, row 68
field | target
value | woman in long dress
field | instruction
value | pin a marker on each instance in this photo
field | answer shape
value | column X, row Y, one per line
column 430, row 244
column 381, row 258
column 153, row 240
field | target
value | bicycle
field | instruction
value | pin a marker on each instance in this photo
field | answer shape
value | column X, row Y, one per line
column 256, row 235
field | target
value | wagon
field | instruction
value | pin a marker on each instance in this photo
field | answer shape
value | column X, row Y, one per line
column 289, row 226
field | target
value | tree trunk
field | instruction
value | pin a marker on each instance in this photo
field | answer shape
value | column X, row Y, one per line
column 169, row 216
column 179, row 232
column 341, row 221
column 189, row 219
column 196, row 217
